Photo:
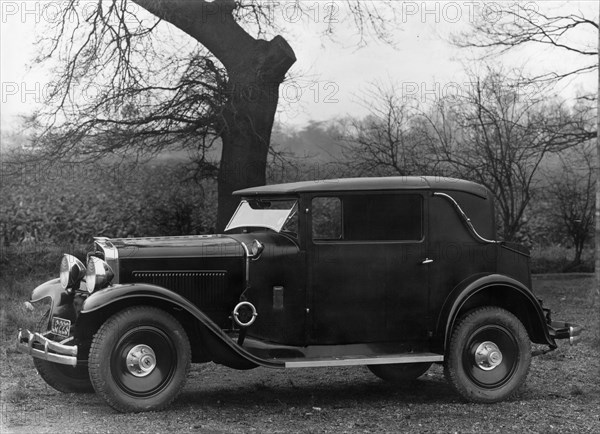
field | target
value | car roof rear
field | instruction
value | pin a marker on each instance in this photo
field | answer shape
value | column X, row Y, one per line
column 368, row 184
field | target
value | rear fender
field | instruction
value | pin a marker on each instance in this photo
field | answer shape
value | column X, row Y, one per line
column 221, row 347
column 498, row 290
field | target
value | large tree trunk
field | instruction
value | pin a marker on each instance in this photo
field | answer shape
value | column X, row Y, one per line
column 255, row 69
column 248, row 121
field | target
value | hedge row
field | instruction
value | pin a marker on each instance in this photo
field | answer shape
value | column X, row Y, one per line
column 73, row 203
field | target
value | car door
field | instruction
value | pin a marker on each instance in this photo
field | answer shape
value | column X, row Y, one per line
column 368, row 279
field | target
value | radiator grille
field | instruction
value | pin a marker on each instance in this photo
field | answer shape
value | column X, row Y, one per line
column 201, row 287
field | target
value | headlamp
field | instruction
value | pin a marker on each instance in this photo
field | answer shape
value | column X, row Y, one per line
column 98, row 274
column 72, row 271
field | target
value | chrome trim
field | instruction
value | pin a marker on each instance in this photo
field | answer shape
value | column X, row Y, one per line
column 574, row 334
column 68, row 264
column 141, row 360
column 236, row 314
column 564, row 330
column 98, row 274
column 466, row 219
column 488, row 356
column 248, row 259
column 353, row 361
column 259, row 247
column 63, row 354
column 111, row 255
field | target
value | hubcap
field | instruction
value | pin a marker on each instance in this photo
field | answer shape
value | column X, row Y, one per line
column 488, row 356
column 141, row 360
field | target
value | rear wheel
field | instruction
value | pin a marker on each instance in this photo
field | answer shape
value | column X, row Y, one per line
column 139, row 359
column 489, row 355
column 399, row 372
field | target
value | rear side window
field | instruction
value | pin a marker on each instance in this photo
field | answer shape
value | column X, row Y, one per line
column 380, row 217
column 368, row 217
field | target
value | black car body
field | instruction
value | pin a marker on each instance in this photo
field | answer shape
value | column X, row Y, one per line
column 394, row 273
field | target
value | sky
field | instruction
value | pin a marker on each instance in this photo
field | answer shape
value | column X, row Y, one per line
column 330, row 76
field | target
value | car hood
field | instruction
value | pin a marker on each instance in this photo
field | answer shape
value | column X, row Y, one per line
column 181, row 246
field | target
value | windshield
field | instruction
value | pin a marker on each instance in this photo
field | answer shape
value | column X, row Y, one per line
column 271, row 214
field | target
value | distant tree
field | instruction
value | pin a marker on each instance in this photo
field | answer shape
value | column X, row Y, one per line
column 495, row 134
column 570, row 197
column 517, row 24
column 387, row 141
column 576, row 33
column 149, row 88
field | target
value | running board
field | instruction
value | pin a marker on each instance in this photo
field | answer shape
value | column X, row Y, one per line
column 354, row 360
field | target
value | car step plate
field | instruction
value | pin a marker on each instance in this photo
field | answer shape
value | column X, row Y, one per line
column 357, row 360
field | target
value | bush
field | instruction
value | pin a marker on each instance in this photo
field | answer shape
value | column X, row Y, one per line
column 74, row 203
column 557, row 259
column 45, row 212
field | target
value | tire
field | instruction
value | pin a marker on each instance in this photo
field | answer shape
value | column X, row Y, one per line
column 139, row 359
column 500, row 369
column 64, row 378
column 399, row 372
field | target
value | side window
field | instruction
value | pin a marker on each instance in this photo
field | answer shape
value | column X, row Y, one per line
column 380, row 217
column 326, row 218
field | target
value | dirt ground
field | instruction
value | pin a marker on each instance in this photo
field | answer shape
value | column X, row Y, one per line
column 562, row 394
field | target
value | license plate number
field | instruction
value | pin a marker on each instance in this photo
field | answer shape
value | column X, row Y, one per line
column 61, row 326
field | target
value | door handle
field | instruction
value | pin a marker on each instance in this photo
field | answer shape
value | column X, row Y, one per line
column 427, row 261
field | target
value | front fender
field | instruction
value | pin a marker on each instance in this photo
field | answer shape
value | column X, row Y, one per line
column 51, row 288
column 62, row 301
column 229, row 351
column 494, row 283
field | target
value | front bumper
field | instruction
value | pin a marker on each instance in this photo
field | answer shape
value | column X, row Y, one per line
column 39, row 346
column 565, row 330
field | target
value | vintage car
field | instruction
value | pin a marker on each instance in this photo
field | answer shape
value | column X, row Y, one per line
column 393, row 273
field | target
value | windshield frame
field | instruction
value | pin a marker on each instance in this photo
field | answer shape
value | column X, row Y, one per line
column 240, row 217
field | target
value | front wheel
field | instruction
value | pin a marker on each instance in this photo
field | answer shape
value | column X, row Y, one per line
column 489, row 355
column 64, row 378
column 139, row 359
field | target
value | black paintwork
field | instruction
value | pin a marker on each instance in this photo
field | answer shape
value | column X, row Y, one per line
column 281, row 264
column 406, row 294
column 206, row 270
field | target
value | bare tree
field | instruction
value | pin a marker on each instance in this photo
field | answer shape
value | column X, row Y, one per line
column 572, row 33
column 150, row 96
column 570, row 197
column 496, row 135
column 387, row 141
column 516, row 24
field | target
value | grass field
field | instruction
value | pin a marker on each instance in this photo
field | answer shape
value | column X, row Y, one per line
column 562, row 393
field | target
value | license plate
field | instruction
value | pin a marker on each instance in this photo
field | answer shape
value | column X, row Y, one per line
column 61, row 326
